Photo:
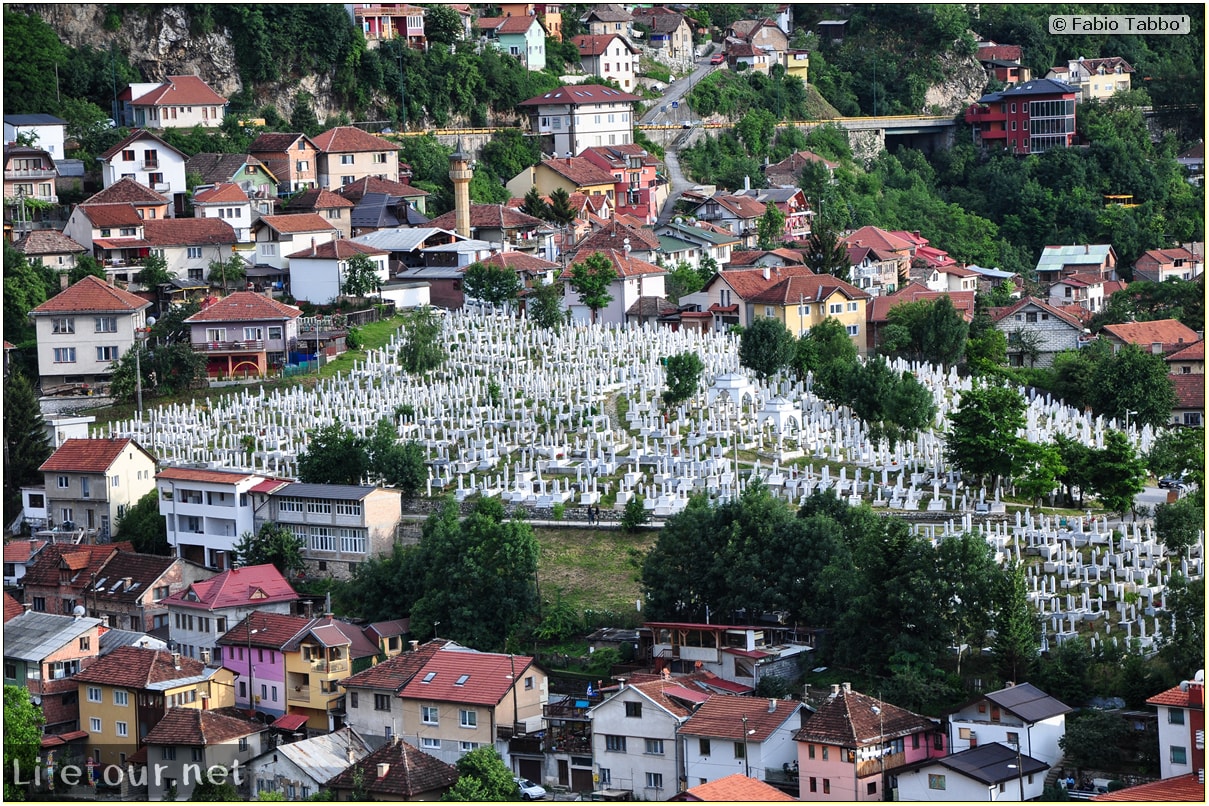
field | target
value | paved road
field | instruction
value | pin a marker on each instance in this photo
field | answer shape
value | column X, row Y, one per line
column 662, row 113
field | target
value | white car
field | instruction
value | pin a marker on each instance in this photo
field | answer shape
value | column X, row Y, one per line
column 529, row 790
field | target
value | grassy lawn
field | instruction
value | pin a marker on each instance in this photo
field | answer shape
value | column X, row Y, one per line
column 593, row 568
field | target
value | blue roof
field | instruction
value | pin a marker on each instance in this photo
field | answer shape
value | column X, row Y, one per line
column 38, row 119
column 1040, row 86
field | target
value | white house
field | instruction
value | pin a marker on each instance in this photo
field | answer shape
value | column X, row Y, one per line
column 747, row 735
column 300, row 769
column 207, row 511
column 574, row 117
column 190, row 245
column 715, row 242
column 608, row 56
column 1181, row 728
column 227, row 202
column 1031, row 323
column 1020, row 715
column 634, row 736
column 989, row 772
column 47, row 130
column 179, row 102
column 279, row 235
column 187, row 742
column 521, row 37
column 317, row 273
column 150, row 161
column 634, row 279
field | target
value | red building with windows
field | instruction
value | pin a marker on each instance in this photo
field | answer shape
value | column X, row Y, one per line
column 1027, row 119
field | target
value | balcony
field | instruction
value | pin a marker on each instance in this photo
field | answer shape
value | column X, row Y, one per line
column 329, row 666
column 299, row 694
column 151, row 165
column 876, row 766
column 526, row 745
column 14, row 174
column 241, row 346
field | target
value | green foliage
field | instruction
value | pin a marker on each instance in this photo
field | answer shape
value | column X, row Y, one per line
column 303, row 118
column 683, row 377
column 559, row 620
column 765, row 347
column 482, row 776
column 26, row 286
column 399, row 465
column 229, row 272
column 144, row 526
column 1181, row 524
column 682, row 279
column 1016, row 629
column 723, row 92
column 154, row 272
column 274, row 545
column 892, row 405
column 334, row 455
column 360, row 277
column 26, row 444
column 828, row 353
column 1040, row 468
column 770, row 231
column 1183, row 637
column 721, row 160
column 827, row 254
column 1093, row 739
column 560, row 210
column 1176, row 451
column 87, row 266
column 591, row 279
column 208, row 790
column 509, row 152
column 422, row 350
column 543, row 305
column 535, row 205
column 1147, row 301
column 634, row 516
column 493, row 284
column 22, row 732
column 1132, row 380
column 442, row 24
column 1117, row 473
column 32, row 54
column 168, row 368
column 982, row 432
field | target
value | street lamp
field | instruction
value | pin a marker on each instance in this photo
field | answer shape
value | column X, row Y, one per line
column 746, row 762
column 881, row 750
column 140, row 338
column 251, row 668
column 1127, row 413
column 1019, row 768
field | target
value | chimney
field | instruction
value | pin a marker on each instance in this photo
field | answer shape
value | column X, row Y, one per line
column 1087, row 249
column 772, row 705
column 747, row 183
column 205, row 656
column 847, row 688
column 307, row 608
column 835, row 689
column 767, row 274
column 414, row 645
column 313, row 251
column 383, row 768
column 27, row 607
column 352, row 758
column 176, row 660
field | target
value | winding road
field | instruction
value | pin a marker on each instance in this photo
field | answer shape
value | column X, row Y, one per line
column 664, row 113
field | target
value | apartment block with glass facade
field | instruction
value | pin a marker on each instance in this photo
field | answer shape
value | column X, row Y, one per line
column 1030, row 118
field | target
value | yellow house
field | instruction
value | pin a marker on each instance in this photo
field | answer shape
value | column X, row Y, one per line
column 572, row 174
column 125, row 694
column 802, row 301
column 316, row 660
column 797, row 63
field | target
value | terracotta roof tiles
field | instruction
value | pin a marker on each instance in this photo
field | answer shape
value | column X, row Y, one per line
column 353, row 191
column 519, row 261
column 1189, row 391
column 181, row 91
column 409, row 773
column 245, row 306
column 486, row 677
column 125, row 190
column 198, row 728
column 276, row 142
column 188, row 232
column 394, row 673
column 580, row 94
column 298, row 222
column 133, row 667
column 200, row 474
column 490, row 216
column 817, row 287
column 1158, row 331
column 580, row 171
column 1178, row 698
column 748, row 283
column 254, row 584
column 847, row 719
column 116, row 214
column 91, row 455
column 269, row 630
column 340, row 249
column 737, row 788
column 46, row 242
column 624, row 265
column 598, row 44
column 138, row 136
column 143, row 571
column 12, row 608
column 222, row 193
column 346, row 139
column 215, row 167
column 318, row 199
column 722, row 718
column 1181, row 789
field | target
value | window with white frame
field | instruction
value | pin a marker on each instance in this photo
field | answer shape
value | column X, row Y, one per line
column 352, row 541
column 348, row 508
column 94, row 694
column 466, row 747
column 468, row 719
column 835, row 307
column 289, row 504
column 63, row 325
column 253, row 333
column 615, row 744
column 654, row 780
column 429, row 743
column 429, row 715
column 62, row 482
column 852, row 306
column 106, row 324
column 122, row 729
column 654, row 747
column 1175, row 716
column 1179, row 755
column 65, row 355
column 322, row 539
column 107, row 353
column 121, row 697
column 194, row 253
column 346, row 159
column 317, row 507
column 94, row 725
column 853, row 330
column 380, row 158
column 275, row 333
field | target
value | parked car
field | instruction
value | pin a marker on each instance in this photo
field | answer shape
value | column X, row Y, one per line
column 717, row 58
column 1172, row 482
column 529, row 790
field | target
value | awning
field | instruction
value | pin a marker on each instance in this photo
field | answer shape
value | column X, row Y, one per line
column 122, row 243
column 727, row 686
column 747, row 653
column 290, row 722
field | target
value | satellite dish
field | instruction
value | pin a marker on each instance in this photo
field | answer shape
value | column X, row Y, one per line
column 36, row 700
column 78, row 611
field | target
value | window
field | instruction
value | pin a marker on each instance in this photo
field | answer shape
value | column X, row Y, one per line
column 814, row 784
column 275, row 332
column 654, row 780
column 852, row 306
column 871, row 788
column 615, row 744
column 633, row 709
column 428, row 743
column 94, row 725
column 468, row 719
column 106, row 324
column 322, row 539
column 803, row 310
column 835, row 307
column 826, row 786
column 380, row 158
column 936, row 782
column 824, row 752
column 529, row 683
column 107, row 354
column 122, row 728
column 703, row 747
column 346, row 159
column 194, row 253
column 853, row 330
column 769, row 311
column 810, row 751
column 740, row 750
column 86, row 642
column 1179, row 755
column 253, row 333
column 466, row 747
column 168, row 753
column 65, row 355
column 348, row 507
column 302, row 165
column 319, row 507
column 963, row 734
column 1175, row 716
column 428, row 715
column 40, row 604
column 654, row 747
column 94, row 694
column 121, row 697
column 381, row 702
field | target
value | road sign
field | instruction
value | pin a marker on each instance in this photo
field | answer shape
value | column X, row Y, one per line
column 675, row 104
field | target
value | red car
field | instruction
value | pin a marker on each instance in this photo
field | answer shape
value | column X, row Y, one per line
column 717, row 58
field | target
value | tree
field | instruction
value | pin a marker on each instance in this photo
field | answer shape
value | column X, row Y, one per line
column 770, row 231
column 26, row 444
column 225, row 272
column 892, row 405
column 1075, row 457
column 1016, row 629
column 828, row 354
column 1117, row 474
column 422, row 350
column 1040, row 468
column 683, row 375
column 635, row 515
column 543, row 305
column 970, row 583
column 509, row 151
column 591, row 280
column 1183, row 635
column 26, row 286
column 1025, row 343
column 982, row 437
column 273, row 545
column 302, row 115
column 22, row 733
column 442, row 24
column 360, row 277
column 154, row 272
column 495, row 285
column 209, row 790
column 1179, row 451
column 561, row 211
column 1094, row 738
column 765, row 347
column 32, row 57
column 335, row 455
column 826, row 253
column 88, row 266
column 535, row 205
column 482, row 776
column 144, row 526
column 682, row 279
column 944, row 334
column 399, row 465
column 1133, row 381
column 1181, row 524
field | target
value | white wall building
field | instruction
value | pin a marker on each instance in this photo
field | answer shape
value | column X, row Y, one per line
column 574, row 117
column 207, row 511
column 1020, row 715
column 746, row 735
column 317, row 273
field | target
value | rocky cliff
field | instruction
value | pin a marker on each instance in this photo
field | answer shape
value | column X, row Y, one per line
column 965, row 81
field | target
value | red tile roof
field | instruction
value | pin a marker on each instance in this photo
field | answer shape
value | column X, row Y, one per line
column 1181, row 789
column 624, row 265
column 741, row 206
column 1161, row 331
column 1179, row 698
column 198, row 474
column 91, row 295
column 817, row 287
column 181, row 91
column 1193, row 352
column 346, row 139
column 847, row 719
column 394, row 673
column 409, row 773
column 224, row 193
column 581, row 172
column 519, row 261
column 122, row 214
column 737, row 788
column 506, row 25
column 136, row 136
column 188, row 232
column 12, row 608
column 245, row 306
column 597, row 45
column 353, row 191
column 722, row 718
column 144, row 570
column 999, row 314
column 1189, row 391
column 748, row 283
column 276, row 142
column 198, row 728
column 614, row 235
column 84, row 561
column 317, row 199
column 126, row 190
column 46, row 242
column 579, row 95
column 877, row 238
column 255, row 584
column 488, row 677
column 298, row 222
column 879, row 307
column 92, row 455
column 999, row 53
column 330, row 631
column 19, row 551
column 290, row 722
column 339, row 249
column 134, row 667
column 269, row 630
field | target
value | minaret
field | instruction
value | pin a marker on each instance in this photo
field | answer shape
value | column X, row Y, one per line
column 460, row 173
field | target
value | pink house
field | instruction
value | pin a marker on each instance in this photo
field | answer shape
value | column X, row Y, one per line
column 252, row 649
column 851, row 747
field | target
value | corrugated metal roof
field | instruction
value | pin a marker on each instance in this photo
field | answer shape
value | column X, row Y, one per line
column 325, row 757
column 32, row 636
column 1028, row 702
column 336, row 492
